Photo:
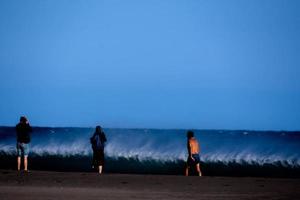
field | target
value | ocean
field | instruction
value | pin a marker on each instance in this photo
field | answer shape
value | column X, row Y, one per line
column 159, row 151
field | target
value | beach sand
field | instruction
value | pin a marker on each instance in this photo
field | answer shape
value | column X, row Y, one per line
column 76, row 185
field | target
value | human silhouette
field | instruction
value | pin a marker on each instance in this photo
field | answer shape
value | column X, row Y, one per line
column 98, row 142
column 193, row 151
column 23, row 131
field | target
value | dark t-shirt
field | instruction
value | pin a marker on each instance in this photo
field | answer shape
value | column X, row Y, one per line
column 23, row 133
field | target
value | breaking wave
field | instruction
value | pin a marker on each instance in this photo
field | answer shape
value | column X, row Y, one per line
column 160, row 151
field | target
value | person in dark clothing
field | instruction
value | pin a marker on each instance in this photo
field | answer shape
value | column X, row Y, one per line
column 23, row 131
column 98, row 142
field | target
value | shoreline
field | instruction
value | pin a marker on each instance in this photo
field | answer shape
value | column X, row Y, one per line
column 121, row 165
column 89, row 185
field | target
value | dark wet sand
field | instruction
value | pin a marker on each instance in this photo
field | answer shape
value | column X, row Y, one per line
column 69, row 185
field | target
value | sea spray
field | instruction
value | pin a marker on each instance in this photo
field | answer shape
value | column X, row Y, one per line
column 160, row 151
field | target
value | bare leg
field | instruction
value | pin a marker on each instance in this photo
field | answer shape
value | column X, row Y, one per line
column 100, row 169
column 19, row 163
column 25, row 163
column 198, row 169
column 187, row 171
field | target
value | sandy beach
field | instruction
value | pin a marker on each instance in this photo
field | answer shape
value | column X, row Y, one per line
column 76, row 185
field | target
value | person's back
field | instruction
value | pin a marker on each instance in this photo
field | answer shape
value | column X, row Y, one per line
column 23, row 131
column 194, row 145
column 98, row 142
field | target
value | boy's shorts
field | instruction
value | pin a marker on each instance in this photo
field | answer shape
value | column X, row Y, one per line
column 22, row 149
column 195, row 161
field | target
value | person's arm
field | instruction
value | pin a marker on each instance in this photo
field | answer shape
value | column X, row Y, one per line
column 189, row 149
column 29, row 128
column 17, row 133
column 92, row 139
column 104, row 137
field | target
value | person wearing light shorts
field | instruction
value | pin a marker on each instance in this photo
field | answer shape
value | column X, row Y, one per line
column 23, row 130
column 22, row 149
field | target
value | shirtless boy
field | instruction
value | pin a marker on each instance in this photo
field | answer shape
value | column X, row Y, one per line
column 193, row 150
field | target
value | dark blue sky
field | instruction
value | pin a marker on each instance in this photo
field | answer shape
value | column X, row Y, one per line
column 151, row 64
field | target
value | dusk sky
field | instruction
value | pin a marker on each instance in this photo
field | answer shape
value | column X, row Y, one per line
column 210, row 64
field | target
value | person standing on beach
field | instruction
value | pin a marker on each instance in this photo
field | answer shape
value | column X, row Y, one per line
column 23, row 130
column 193, row 151
column 98, row 142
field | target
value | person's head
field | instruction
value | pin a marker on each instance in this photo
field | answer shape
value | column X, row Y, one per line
column 98, row 129
column 23, row 120
column 190, row 134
